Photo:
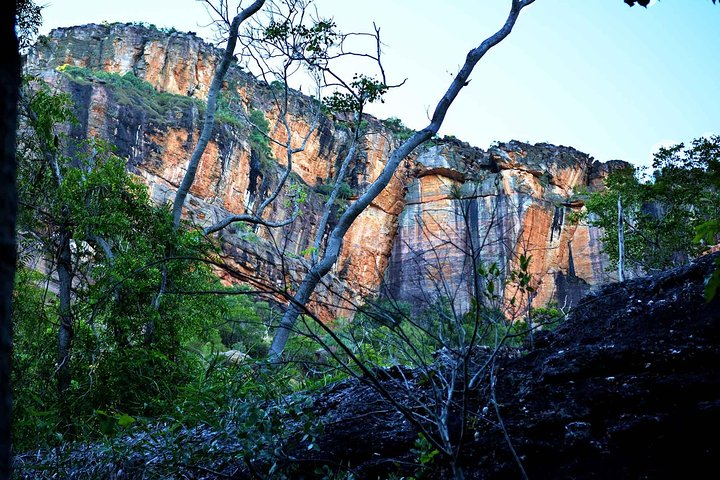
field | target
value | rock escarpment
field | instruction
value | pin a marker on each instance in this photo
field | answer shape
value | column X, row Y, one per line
column 509, row 200
column 496, row 205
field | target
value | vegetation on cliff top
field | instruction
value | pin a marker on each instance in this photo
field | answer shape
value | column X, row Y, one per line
column 134, row 92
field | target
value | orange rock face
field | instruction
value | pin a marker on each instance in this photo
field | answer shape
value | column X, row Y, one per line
column 446, row 210
column 491, row 208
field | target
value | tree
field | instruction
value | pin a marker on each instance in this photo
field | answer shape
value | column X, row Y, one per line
column 87, row 226
column 663, row 214
column 336, row 237
column 9, row 91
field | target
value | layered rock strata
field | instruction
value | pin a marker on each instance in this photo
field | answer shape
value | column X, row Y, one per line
column 467, row 208
column 509, row 200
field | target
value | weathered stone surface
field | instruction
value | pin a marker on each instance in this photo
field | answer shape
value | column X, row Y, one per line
column 512, row 199
column 179, row 63
column 230, row 177
column 627, row 387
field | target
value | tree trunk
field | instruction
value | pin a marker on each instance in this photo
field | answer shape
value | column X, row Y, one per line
column 9, row 91
column 206, row 133
column 65, row 332
column 335, row 240
column 621, row 241
column 457, row 471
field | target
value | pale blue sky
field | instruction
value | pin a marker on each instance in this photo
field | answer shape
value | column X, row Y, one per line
column 612, row 81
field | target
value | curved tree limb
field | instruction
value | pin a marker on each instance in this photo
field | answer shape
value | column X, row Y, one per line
column 335, row 240
column 215, row 87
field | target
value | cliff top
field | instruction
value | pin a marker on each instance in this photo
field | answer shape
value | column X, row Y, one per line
column 182, row 63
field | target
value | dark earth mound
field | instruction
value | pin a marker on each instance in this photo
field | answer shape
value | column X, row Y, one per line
column 627, row 387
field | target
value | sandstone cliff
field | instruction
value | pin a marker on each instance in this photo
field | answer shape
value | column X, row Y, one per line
column 512, row 199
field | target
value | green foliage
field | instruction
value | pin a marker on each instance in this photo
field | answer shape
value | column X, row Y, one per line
column 387, row 333
column 312, row 42
column 665, row 214
column 137, row 93
column 712, row 282
column 228, row 107
column 400, row 131
column 245, row 327
column 118, row 241
column 152, row 26
column 344, row 194
column 297, row 193
column 383, row 331
column 278, row 86
column 33, row 360
column 581, row 191
column 259, row 141
column 549, row 316
column 363, row 90
column 28, row 19
column 521, row 276
column 48, row 109
column 424, row 451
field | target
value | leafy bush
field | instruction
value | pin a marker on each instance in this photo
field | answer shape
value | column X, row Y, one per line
column 345, row 191
column 396, row 126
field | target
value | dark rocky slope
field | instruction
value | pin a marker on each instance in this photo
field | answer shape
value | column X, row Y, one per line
column 628, row 387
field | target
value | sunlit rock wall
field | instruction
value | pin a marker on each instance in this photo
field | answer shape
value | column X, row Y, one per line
column 467, row 208
column 450, row 205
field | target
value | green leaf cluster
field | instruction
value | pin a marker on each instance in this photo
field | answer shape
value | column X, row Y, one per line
column 400, row 131
column 669, row 216
column 310, row 43
column 362, row 90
